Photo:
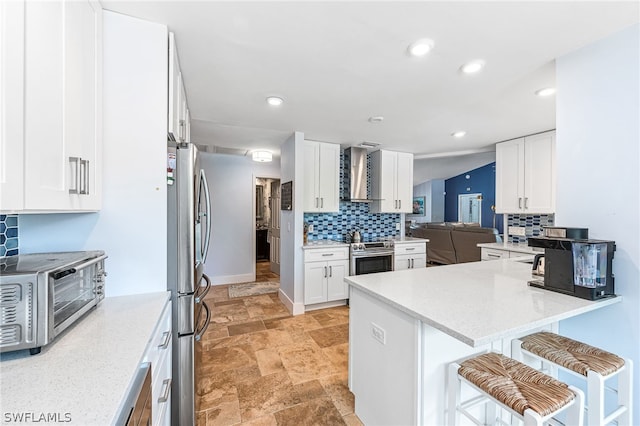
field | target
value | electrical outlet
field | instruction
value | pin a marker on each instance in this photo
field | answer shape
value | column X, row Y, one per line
column 378, row 333
column 517, row 230
column 310, row 228
column 397, row 226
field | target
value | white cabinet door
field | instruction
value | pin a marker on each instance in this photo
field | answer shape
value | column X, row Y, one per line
column 404, row 182
column 510, row 176
column 402, row 262
column 391, row 182
column 12, row 105
column 525, row 175
column 315, row 282
column 493, row 254
column 174, row 90
column 321, row 177
column 419, row 261
column 539, row 176
column 158, row 353
column 63, row 106
column 337, row 289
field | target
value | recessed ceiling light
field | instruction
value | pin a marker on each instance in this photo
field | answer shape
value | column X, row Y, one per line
column 547, row 91
column 458, row 134
column 420, row 47
column 472, row 67
column 262, row 156
column 376, row 119
column 274, row 101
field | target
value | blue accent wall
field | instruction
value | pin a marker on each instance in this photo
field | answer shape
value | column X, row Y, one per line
column 481, row 180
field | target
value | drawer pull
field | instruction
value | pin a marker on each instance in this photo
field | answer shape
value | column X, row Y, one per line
column 166, row 383
column 327, row 254
column 494, row 255
column 166, row 340
column 410, row 248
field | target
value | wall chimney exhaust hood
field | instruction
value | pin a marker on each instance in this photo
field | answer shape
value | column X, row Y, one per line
column 355, row 173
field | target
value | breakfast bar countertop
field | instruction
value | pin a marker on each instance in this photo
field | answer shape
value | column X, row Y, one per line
column 476, row 303
column 516, row 247
column 83, row 376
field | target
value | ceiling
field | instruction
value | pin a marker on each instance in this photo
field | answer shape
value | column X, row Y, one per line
column 338, row 63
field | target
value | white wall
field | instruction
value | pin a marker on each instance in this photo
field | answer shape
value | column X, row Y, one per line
column 433, row 191
column 598, row 158
column 291, row 256
column 231, row 178
column 131, row 227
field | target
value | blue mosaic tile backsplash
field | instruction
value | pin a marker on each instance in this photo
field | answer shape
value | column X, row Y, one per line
column 352, row 216
column 8, row 235
column 532, row 223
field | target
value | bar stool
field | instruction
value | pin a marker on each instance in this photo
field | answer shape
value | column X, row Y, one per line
column 583, row 360
column 526, row 393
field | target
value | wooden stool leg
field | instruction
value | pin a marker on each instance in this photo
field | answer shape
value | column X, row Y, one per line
column 453, row 391
column 575, row 413
column 625, row 396
column 595, row 398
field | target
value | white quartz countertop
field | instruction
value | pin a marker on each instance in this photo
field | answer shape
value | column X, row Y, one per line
column 476, row 303
column 84, row 375
column 400, row 240
column 521, row 248
column 323, row 244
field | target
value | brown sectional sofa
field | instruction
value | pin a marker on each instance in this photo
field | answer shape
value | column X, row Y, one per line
column 454, row 242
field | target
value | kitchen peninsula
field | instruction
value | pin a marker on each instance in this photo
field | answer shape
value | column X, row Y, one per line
column 406, row 326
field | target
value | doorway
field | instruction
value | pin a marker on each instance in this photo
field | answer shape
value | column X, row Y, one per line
column 470, row 208
column 267, row 215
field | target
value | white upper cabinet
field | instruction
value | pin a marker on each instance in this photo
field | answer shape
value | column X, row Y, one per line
column 526, row 175
column 391, row 182
column 179, row 117
column 321, row 177
column 59, row 154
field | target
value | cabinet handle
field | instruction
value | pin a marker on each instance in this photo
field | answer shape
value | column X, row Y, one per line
column 399, row 204
column 325, row 271
column 317, row 202
column 520, row 202
column 84, row 188
column 166, row 340
column 76, row 179
column 409, row 263
column 494, row 256
column 410, row 248
column 166, row 383
column 327, row 254
column 526, row 199
column 331, row 271
column 321, row 202
column 413, row 265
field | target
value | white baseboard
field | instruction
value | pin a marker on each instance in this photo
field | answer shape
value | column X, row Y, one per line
column 325, row 305
column 293, row 308
column 232, row 279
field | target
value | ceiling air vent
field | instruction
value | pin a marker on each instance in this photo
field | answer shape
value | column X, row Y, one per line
column 366, row 144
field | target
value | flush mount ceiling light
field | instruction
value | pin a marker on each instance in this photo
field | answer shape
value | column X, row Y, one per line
column 420, row 47
column 458, row 134
column 472, row 67
column 547, row 91
column 262, row 156
column 376, row 119
column 275, row 100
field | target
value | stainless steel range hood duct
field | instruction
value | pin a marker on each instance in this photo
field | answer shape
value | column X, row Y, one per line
column 355, row 165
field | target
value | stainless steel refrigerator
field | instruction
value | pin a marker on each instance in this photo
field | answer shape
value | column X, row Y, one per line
column 189, row 234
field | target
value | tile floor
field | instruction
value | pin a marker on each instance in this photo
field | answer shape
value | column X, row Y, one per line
column 262, row 366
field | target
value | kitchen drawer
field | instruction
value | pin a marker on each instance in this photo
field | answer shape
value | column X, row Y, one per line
column 325, row 254
column 160, row 341
column 492, row 254
column 409, row 248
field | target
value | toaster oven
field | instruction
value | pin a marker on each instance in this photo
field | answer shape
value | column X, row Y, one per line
column 42, row 294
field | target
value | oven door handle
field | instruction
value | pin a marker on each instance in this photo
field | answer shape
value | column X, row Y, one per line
column 374, row 254
column 62, row 274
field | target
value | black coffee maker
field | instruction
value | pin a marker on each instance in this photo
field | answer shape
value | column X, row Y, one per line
column 575, row 264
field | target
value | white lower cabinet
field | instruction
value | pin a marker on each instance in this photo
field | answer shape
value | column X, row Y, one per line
column 158, row 353
column 324, row 272
column 409, row 255
column 493, row 254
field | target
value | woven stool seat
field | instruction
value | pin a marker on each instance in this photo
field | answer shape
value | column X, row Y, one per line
column 516, row 385
column 572, row 355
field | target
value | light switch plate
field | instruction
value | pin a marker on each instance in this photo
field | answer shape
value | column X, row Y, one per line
column 397, row 226
column 310, row 228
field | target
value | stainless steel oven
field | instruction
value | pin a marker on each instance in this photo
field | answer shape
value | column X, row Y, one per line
column 369, row 258
column 42, row 294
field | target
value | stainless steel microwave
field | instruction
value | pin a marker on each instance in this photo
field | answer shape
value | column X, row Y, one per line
column 42, row 294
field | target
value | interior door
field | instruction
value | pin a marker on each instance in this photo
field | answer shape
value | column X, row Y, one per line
column 274, row 227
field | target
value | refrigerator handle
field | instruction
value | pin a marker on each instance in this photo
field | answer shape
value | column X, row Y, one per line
column 200, row 297
column 200, row 333
column 203, row 179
